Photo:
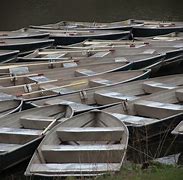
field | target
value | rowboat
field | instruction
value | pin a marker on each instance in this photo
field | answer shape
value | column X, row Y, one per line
column 21, row 75
column 9, row 104
column 22, row 33
column 21, row 132
column 38, row 64
column 114, row 94
column 172, row 50
column 161, row 41
column 91, row 144
column 66, row 37
column 25, row 46
column 8, row 56
column 139, row 57
column 150, row 121
column 154, row 28
column 35, row 91
column 121, row 25
column 152, row 111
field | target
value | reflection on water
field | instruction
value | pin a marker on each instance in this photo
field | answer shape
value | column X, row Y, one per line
column 19, row 13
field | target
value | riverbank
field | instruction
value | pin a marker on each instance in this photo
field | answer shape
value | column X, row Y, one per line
column 129, row 171
column 152, row 172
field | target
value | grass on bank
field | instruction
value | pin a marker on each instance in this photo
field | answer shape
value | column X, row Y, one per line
column 135, row 172
column 128, row 172
column 154, row 171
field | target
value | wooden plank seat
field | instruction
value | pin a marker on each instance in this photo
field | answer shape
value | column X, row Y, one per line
column 78, row 168
column 4, row 96
column 110, row 153
column 149, row 51
column 105, row 97
column 134, row 120
column 84, row 72
column 152, row 86
column 156, row 109
column 90, row 134
column 179, row 94
column 8, row 147
column 69, row 64
column 55, row 89
column 38, row 79
column 17, row 135
column 99, row 82
column 35, row 121
column 55, row 55
column 100, row 54
column 19, row 70
column 75, row 106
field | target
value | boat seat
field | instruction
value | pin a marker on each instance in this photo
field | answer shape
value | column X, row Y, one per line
column 100, row 54
column 106, row 97
column 18, row 70
column 55, row 89
column 179, row 94
column 4, row 96
column 77, row 107
column 90, row 134
column 134, row 120
column 83, row 153
column 74, row 168
column 35, row 122
column 70, row 64
column 149, row 51
column 8, row 147
column 99, row 82
column 38, row 79
column 84, row 72
column 121, row 59
column 152, row 86
column 156, row 109
column 17, row 135
column 55, row 55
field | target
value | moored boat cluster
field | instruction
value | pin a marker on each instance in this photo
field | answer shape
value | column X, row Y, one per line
column 80, row 98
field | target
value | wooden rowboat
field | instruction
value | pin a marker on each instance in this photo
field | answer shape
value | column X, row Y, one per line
column 91, row 144
column 22, row 33
column 170, row 49
column 21, row 132
column 138, row 42
column 66, row 37
column 110, row 95
column 58, row 87
column 121, row 25
column 21, row 75
column 150, row 121
column 25, row 46
column 154, row 28
column 8, row 56
column 137, row 62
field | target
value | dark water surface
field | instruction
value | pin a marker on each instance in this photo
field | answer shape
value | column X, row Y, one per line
column 15, row 14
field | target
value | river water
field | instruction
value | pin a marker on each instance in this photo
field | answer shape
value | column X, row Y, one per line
column 15, row 14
